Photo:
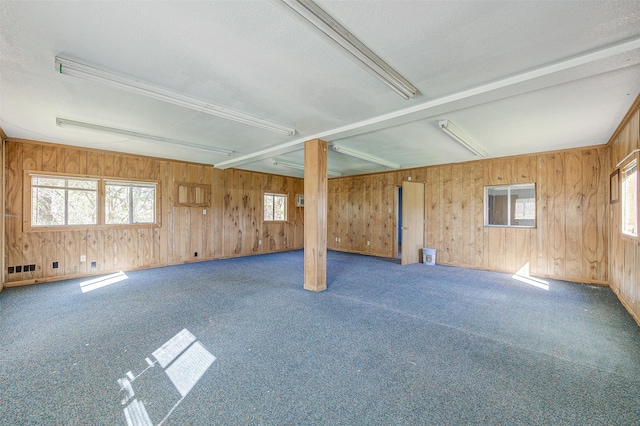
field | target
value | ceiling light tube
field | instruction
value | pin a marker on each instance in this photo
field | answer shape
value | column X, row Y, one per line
column 301, row 167
column 365, row 157
column 320, row 21
column 62, row 122
column 462, row 138
column 88, row 72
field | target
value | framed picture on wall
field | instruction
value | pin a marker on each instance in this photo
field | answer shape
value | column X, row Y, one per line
column 614, row 187
column 299, row 200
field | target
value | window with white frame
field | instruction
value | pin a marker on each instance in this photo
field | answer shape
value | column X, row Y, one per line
column 510, row 205
column 275, row 207
column 63, row 201
column 629, row 198
column 129, row 202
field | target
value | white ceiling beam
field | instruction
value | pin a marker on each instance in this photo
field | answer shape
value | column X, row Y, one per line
column 595, row 62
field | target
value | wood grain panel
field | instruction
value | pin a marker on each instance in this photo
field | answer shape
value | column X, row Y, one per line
column 13, row 209
column 478, row 215
column 509, row 252
column 95, row 163
column 131, row 166
column 49, row 158
column 121, row 242
column 634, row 131
column 542, row 254
column 132, row 241
column 165, row 176
column 589, row 226
column 72, row 249
column 32, row 249
column 622, row 255
column 49, row 253
column 94, row 251
column 574, row 227
column 522, row 252
column 445, row 252
column 460, row 196
column 73, row 161
column 217, row 215
column 157, row 247
column 32, row 157
column 559, row 217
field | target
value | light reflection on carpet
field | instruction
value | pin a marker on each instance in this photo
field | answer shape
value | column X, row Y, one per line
column 184, row 360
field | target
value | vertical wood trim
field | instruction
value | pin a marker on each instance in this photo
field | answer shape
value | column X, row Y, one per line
column 315, row 215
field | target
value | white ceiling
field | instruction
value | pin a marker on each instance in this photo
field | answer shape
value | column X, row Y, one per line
column 516, row 76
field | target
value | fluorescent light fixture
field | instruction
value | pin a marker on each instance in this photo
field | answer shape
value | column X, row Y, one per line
column 459, row 136
column 88, row 72
column 62, row 122
column 301, row 167
column 311, row 14
column 365, row 157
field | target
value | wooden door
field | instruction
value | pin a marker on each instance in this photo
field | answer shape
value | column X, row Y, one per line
column 412, row 221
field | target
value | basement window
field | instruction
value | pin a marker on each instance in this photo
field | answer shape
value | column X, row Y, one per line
column 629, row 198
column 275, row 207
column 63, row 201
column 510, row 205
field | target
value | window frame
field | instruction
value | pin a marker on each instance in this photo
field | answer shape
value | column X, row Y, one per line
column 266, row 194
column 130, row 184
column 509, row 187
column 632, row 161
column 27, row 225
column 66, row 188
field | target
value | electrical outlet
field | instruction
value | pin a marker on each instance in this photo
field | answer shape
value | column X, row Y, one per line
column 409, row 178
column 195, row 254
column 368, row 243
column 259, row 242
column 55, row 265
column 83, row 258
column 204, row 211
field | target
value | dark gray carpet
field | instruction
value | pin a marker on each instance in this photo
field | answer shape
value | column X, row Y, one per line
column 385, row 344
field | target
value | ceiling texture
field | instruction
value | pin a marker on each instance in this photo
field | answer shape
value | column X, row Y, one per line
column 516, row 77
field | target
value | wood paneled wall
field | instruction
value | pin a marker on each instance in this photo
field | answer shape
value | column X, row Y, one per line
column 569, row 241
column 624, row 252
column 3, row 136
column 232, row 225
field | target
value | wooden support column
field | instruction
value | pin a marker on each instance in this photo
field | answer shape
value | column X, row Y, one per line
column 315, row 215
